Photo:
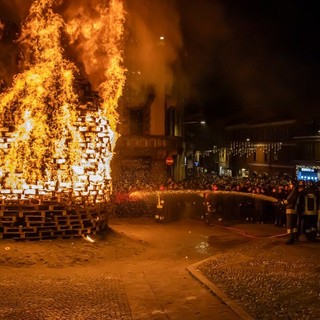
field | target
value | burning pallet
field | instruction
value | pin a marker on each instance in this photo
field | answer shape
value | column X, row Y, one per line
column 61, row 210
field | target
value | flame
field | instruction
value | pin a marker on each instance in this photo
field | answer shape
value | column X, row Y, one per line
column 99, row 41
column 46, row 141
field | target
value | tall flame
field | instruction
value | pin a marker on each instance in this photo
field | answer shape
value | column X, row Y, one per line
column 98, row 39
column 46, row 140
column 41, row 104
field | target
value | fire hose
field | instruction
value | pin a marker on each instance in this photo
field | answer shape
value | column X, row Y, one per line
column 245, row 234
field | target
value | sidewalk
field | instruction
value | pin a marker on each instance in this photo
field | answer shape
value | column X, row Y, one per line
column 158, row 284
column 265, row 277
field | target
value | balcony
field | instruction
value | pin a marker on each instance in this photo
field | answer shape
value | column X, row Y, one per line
column 157, row 147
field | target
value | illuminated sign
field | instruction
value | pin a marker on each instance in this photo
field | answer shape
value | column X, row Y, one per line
column 310, row 173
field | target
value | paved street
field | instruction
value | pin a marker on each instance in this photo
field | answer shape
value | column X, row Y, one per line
column 62, row 296
column 137, row 271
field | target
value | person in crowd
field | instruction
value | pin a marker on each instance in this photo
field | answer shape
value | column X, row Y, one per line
column 294, row 212
column 248, row 209
column 280, row 209
column 258, row 206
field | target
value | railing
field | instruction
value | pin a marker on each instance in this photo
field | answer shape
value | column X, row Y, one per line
column 151, row 142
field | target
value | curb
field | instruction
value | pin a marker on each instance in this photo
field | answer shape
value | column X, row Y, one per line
column 193, row 270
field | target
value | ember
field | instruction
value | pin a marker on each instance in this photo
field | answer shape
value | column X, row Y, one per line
column 54, row 150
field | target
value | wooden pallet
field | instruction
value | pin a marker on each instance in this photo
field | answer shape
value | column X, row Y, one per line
column 24, row 221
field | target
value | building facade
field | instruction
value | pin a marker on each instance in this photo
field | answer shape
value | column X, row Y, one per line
column 275, row 147
column 150, row 146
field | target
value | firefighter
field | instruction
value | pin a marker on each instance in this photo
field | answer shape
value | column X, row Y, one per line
column 293, row 212
column 310, row 211
column 318, row 206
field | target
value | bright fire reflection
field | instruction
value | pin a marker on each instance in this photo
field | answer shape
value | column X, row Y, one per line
column 50, row 144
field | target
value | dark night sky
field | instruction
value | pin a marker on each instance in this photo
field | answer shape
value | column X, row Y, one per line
column 252, row 59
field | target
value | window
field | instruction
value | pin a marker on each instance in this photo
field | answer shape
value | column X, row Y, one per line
column 136, row 121
column 170, row 121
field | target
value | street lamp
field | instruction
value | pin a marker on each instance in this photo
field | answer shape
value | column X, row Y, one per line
column 195, row 122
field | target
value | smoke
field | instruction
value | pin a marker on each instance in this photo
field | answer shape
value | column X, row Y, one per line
column 205, row 31
column 87, row 22
column 14, row 10
column 11, row 14
column 150, row 59
column 239, row 58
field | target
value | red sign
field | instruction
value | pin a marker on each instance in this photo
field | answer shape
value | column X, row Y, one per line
column 169, row 161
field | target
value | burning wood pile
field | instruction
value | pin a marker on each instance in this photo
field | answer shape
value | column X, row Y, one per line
column 55, row 152
column 53, row 209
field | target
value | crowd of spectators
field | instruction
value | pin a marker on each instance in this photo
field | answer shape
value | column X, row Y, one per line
column 259, row 185
column 277, row 187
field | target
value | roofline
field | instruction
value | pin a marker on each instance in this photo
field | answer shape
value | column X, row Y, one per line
column 263, row 124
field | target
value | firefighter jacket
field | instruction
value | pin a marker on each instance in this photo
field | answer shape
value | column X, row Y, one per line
column 310, row 212
column 318, row 206
column 309, row 202
column 291, row 202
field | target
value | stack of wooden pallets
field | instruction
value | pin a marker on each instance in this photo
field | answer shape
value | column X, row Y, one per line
column 73, row 207
column 48, row 221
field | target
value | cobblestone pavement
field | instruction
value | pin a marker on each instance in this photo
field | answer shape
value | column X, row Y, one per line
column 138, row 271
column 74, row 297
column 135, row 271
column 269, row 279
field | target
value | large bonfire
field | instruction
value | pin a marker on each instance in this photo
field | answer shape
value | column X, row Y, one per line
column 50, row 143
